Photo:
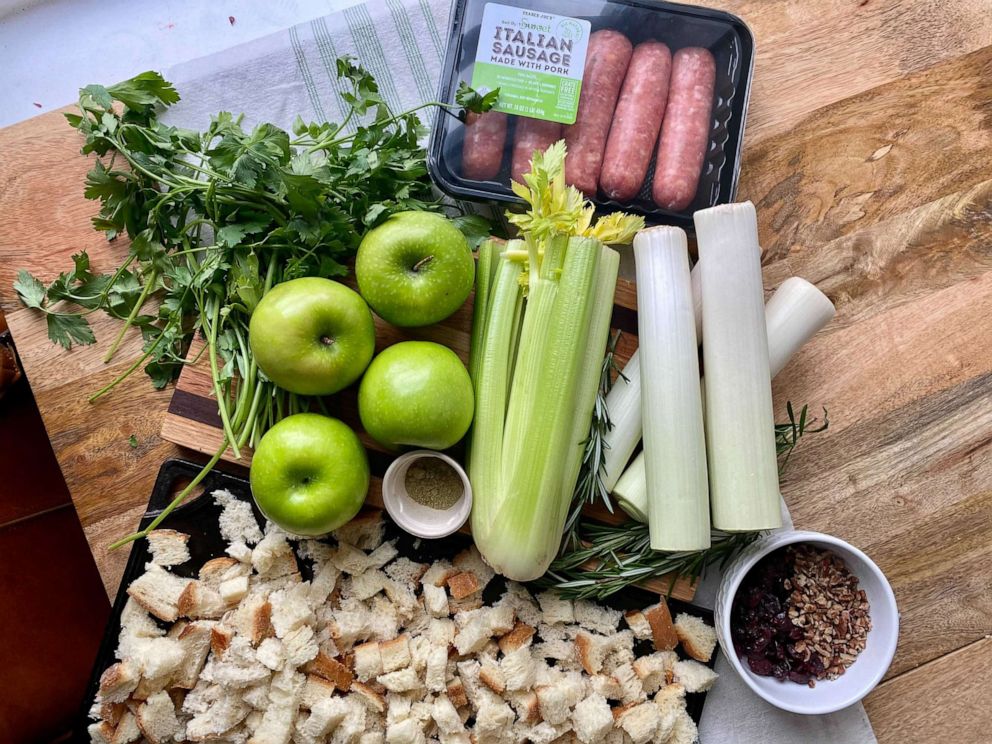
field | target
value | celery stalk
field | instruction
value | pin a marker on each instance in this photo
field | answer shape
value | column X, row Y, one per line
column 740, row 433
column 534, row 382
column 491, row 382
column 592, row 363
column 519, row 531
column 485, row 276
column 674, row 444
column 534, row 331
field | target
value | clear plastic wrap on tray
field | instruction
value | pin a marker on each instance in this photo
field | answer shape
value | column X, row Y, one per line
column 651, row 99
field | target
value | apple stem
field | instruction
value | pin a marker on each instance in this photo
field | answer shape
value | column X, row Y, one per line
column 422, row 263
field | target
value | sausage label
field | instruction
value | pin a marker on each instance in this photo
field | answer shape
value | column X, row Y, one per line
column 536, row 60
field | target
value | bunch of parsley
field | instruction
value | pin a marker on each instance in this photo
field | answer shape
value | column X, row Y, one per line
column 216, row 218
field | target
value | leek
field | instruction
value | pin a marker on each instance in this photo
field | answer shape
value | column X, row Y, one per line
column 675, row 447
column 697, row 301
column 793, row 315
column 623, row 404
column 740, row 433
column 631, row 490
column 534, row 333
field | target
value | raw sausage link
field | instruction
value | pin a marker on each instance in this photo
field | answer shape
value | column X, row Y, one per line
column 685, row 133
column 606, row 63
column 637, row 121
column 531, row 135
column 482, row 152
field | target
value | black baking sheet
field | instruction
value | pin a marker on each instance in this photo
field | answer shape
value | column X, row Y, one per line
column 199, row 519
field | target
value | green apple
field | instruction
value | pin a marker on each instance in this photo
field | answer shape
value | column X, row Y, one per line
column 312, row 336
column 309, row 474
column 415, row 269
column 416, row 393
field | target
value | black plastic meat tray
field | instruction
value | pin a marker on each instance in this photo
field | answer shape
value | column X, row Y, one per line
column 199, row 519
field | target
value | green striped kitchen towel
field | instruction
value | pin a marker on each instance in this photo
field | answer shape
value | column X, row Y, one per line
column 292, row 72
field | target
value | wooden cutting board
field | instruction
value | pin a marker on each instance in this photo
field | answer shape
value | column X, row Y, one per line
column 192, row 420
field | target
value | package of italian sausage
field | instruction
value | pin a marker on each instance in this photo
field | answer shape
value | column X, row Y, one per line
column 649, row 97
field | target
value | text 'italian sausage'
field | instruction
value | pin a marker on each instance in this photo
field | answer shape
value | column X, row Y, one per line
column 685, row 133
column 637, row 121
column 531, row 135
column 607, row 58
column 485, row 138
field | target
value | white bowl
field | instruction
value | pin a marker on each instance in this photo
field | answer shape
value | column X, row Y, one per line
column 870, row 665
column 415, row 518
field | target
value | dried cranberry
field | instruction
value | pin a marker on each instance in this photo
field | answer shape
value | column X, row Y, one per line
column 760, row 666
column 762, row 631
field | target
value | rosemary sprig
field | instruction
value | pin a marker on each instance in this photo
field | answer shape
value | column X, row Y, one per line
column 787, row 435
column 621, row 554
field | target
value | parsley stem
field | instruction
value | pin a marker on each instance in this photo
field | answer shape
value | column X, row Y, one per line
column 175, row 502
column 332, row 141
column 270, row 274
column 129, row 320
column 122, row 148
column 127, row 373
column 247, row 433
column 215, row 374
column 246, row 385
column 189, row 226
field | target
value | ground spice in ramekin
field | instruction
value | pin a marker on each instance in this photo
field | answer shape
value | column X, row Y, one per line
column 433, row 483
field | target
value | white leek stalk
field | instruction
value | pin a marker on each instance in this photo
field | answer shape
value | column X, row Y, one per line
column 697, row 301
column 631, row 491
column 675, row 447
column 623, row 403
column 793, row 315
column 740, row 426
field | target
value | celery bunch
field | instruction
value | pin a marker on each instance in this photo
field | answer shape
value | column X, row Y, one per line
column 542, row 315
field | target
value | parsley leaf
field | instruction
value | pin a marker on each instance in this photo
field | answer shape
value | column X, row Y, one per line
column 67, row 329
column 146, row 89
column 474, row 227
column 29, row 289
column 471, row 100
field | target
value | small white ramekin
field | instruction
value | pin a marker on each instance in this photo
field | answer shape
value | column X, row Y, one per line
column 866, row 671
column 415, row 518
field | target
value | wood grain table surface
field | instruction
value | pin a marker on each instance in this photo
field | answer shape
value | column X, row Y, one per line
column 869, row 157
